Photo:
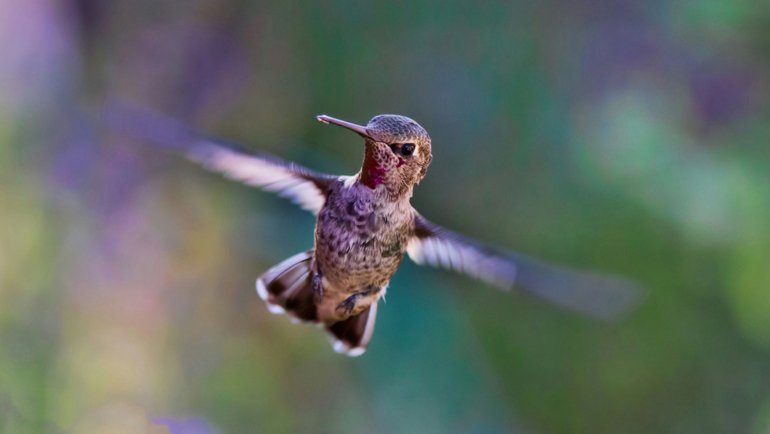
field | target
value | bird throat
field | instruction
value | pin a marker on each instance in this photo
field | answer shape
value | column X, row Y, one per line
column 372, row 173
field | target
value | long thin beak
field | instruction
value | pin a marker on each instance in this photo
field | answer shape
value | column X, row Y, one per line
column 349, row 125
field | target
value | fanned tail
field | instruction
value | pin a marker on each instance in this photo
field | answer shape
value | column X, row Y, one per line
column 287, row 288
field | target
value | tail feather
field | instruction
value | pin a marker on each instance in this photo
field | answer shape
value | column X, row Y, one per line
column 352, row 335
column 287, row 288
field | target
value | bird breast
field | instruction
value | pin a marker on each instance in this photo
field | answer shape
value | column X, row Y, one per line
column 360, row 237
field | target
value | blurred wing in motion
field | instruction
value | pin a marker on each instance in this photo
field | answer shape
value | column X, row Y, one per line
column 302, row 186
column 604, row 297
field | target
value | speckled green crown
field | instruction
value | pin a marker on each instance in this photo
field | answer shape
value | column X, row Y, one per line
column 395, row 128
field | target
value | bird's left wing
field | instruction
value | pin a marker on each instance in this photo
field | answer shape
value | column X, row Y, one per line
column 600, row 296
column 302, row 186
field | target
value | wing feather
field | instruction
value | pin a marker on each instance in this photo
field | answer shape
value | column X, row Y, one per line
column 302, row 186
column 593, row 294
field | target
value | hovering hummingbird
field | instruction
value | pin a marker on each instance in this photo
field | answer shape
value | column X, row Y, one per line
column 366, row 225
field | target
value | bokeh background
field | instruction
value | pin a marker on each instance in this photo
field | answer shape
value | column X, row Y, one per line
column 622, row 136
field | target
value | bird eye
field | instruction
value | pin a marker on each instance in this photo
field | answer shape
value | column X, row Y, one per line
column 407, row 149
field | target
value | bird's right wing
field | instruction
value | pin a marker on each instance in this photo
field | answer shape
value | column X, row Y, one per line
column 600, row 296
column 302, row 186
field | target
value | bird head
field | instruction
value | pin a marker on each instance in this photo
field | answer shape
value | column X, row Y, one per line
column 398, row 151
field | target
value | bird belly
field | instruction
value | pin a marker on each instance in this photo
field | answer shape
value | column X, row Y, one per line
column 355, row 258
column 352, row 263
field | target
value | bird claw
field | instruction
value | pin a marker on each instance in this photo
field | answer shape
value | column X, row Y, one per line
column 349, row 304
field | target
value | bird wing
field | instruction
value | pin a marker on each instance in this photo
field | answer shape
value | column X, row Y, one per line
column 302, row 186
column 601, row 296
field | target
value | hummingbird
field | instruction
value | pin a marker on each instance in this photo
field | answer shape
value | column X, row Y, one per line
column 366, row 225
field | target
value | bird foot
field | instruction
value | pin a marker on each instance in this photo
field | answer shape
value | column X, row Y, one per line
column 349, row 304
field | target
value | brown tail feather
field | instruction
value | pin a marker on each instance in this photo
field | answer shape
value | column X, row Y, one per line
column 287, row 288
column 352, row 335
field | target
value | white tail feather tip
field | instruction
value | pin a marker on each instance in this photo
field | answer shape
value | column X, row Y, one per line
column 261, row 290
column 343, row 348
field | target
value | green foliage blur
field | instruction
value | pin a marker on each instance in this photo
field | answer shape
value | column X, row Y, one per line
column 620, row 136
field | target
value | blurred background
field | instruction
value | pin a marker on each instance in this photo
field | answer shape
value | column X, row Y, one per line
column 621, row 136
